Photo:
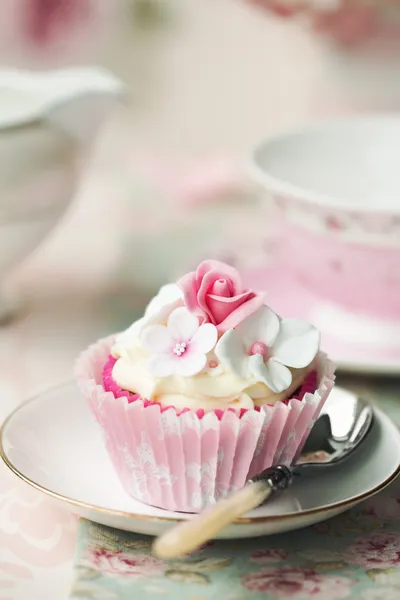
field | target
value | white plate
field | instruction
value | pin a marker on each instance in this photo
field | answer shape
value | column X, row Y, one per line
column 52, row 443
column 354, row 343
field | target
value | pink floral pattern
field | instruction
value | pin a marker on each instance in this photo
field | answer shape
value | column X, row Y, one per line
column 119, row 563
column 354, row 557
column 268, row 555
column 298, row 583
column 384, row 507
column 377, row 550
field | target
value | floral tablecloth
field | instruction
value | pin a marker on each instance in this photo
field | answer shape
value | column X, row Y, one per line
column 38, row 538
column 355, row 555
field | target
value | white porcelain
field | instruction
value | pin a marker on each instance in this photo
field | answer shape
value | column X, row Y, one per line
column 47, row 122
column 335, row 188
column 344, row 163
column 52, row 443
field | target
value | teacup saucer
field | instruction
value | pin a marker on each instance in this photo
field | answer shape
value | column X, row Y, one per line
column 355, row 343
column 52, row 443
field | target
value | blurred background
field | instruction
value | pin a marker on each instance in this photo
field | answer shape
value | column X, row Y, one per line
column 163, row 182
column 116, row 178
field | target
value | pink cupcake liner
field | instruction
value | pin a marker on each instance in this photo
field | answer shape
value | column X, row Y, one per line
column 186, row 461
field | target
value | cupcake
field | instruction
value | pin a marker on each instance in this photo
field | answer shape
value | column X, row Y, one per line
column 208, row 389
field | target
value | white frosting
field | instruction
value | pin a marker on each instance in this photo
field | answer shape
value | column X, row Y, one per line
column 207, row 390
column 178, row 358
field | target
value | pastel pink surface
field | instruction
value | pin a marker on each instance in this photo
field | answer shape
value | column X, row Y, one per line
column 291, row 296
column 339, row 270
column 189, row 460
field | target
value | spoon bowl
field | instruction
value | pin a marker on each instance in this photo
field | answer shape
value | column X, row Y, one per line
column 340, row 428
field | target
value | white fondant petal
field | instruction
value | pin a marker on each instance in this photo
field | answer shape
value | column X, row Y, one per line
column 157, row 312
column 281, row 376
column 231, row 352
column 161, row 365
column 259, row 370
column 182, row 325
column 162, row 315
column 275, row 376
column 190, row 364
column 128, row 340
column 262, row 326
column 297, row 343
column 156, row 339
column 204, row 339
column 167, row 295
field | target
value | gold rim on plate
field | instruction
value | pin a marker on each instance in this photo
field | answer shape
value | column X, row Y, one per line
column 118, row 513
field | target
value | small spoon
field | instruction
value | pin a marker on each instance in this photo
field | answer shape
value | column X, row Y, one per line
column 341, row 427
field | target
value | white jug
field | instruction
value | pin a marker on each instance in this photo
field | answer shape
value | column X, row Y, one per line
column 47, row 121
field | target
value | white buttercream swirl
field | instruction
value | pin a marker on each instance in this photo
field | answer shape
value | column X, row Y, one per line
column 212, row 389
column 216, row 387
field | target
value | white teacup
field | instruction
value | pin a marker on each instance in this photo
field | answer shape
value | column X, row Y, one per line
column 336, row 190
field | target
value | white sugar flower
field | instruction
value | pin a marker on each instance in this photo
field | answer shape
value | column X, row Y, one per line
column 180, row 347
column 170, row 296
column 158, row 310
column 263, row 346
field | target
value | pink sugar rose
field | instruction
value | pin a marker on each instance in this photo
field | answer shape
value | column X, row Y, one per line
column 214, row 292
